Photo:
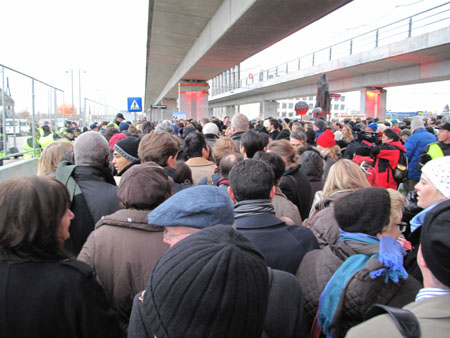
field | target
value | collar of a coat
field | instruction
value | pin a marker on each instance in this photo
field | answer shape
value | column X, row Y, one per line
column 198, row 162
column 264, row 220
column 129, row 218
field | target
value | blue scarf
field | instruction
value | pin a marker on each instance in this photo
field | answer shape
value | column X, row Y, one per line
column 418, row 220
column 390, row 255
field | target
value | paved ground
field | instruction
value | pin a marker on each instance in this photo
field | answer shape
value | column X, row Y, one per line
column 18, row 143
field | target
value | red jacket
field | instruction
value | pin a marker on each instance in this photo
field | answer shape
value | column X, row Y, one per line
column 386, row 161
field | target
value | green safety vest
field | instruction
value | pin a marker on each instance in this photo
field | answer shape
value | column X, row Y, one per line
column 44, row 141
column 2, row 152
column 28, row 150
column 435, row 151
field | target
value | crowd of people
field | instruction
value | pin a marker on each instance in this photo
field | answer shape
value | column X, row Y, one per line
column 230, row 228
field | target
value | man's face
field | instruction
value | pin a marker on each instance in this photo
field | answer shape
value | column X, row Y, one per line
column 172, row 235
column 119, row 162
column 296, row 143
column 227, row 121
column 70, row 136
column 336, row 126
column 444, row 135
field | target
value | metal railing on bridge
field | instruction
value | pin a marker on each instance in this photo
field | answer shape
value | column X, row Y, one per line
column 426, row 21
column 24, row 101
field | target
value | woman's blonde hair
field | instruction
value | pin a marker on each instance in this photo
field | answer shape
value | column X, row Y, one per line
column 333, row 152
column 344, row 175
column 51, row 156
column 285, row 149
column 223, row 146
column 347, row 133
column 397, row 206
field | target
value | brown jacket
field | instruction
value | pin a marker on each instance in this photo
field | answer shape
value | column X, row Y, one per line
column 323, row 224
column 122, row 250
column 200, row 168
column 360, row 292
column 284, row 207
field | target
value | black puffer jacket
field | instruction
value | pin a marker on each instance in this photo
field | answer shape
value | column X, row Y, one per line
column 361, row 291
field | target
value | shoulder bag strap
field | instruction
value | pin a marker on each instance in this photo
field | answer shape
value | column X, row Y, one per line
column 405, row 320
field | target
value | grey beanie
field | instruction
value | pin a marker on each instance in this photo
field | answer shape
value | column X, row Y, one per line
column 165, row 125
column 416, row 124
column 91, row 148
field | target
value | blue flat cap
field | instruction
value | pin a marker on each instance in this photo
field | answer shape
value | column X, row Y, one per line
column 197, row 207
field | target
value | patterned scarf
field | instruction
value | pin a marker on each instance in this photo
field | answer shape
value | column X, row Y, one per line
column 253, row 207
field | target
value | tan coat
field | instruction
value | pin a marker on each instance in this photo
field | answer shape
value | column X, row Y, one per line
column 284, row 207
column 123, row 250
column 200, row 168
column 433, row 315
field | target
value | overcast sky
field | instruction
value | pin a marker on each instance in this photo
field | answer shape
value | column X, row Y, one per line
column 107, row 39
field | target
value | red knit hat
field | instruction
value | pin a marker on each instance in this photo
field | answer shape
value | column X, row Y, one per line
column 326, row 140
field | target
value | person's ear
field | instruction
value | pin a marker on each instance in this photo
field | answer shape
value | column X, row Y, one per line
column 172, row 162
column 230, row 193
column 272, row 192
column 205, row 152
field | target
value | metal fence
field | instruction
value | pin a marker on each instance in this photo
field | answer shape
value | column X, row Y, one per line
column 427, row 21
column 25, row 102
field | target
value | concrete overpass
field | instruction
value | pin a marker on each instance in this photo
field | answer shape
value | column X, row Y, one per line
column 196, row 40
column 414, row 59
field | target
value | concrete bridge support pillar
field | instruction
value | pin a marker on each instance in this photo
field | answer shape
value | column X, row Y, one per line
column 193, row 99
column 171, row 103
column 230, row 111
column 373, row 102
column 268, row 109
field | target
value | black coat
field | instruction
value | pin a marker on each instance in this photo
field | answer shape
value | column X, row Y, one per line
column 283, row 246
column 98, row 198
column 295, row 185
column 285, row 317
column 53, row 300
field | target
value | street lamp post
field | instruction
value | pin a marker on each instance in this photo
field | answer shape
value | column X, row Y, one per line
column 71, row 79
column 79, row 96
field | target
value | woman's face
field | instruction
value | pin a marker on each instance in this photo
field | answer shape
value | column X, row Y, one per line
column 385, row 139
column 427, row 194
column 63, row 229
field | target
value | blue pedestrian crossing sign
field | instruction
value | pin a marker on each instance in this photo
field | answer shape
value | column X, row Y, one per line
column 134, row 104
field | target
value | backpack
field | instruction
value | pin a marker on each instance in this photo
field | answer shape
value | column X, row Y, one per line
column 400, row 172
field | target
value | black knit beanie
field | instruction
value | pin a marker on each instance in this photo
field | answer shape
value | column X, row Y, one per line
column 213, row 283
column 435, row 241
column 365, row 210
column 128, row 148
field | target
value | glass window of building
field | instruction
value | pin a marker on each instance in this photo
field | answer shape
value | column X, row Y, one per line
column 342, row 106
column 283, row 105
column 336, row 107
column 342, row 98
column 291, row 105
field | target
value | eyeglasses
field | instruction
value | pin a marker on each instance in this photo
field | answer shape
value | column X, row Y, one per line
column 402, row 227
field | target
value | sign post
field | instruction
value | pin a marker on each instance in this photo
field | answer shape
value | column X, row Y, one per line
column 134, row 105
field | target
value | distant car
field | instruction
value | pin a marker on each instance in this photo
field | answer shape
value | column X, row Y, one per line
column 11, row 127
column 24, row 127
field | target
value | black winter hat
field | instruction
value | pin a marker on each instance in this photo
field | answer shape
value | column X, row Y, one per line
column 365, row 210
column 435, row 241
column 213, row 283
column 128, row 148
